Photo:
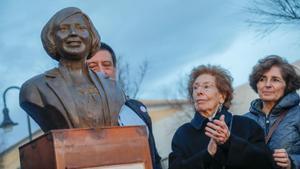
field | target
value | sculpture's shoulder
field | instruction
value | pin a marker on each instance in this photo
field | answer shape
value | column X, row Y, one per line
column 113, row 92
column 111, row 87
column 29, row 92
column 34, row 81
column 32, row 88
column 41, row 78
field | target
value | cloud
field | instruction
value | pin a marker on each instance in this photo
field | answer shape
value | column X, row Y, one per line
column 238, row 57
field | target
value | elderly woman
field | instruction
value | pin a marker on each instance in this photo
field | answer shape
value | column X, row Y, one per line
column 277, row 110
column 215, row 138
column 71, row 96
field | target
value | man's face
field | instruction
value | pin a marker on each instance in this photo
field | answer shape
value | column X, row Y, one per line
column 72, row 38
column 102, row 62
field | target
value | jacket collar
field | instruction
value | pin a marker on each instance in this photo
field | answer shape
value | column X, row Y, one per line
column 199, row 121
column 55, row 79
column 286, row 102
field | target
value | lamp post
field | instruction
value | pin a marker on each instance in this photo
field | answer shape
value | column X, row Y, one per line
column 7, row 122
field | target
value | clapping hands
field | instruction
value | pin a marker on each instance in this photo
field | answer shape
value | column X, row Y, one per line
column 218, row 130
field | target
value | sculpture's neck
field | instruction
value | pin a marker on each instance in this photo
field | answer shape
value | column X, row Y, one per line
column 76, row 72
column 78, row 67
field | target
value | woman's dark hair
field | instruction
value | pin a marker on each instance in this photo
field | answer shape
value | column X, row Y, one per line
column 288, row 72
column 47, row 34
column 223, row 81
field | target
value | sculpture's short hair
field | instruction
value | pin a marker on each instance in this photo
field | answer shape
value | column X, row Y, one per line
column 47, row 34
column 288, row 72
column 223, row 81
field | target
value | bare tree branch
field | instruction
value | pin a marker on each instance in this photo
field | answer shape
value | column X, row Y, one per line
column 178, row 98
column 268, row 15
column 130, row 82
column 142, row 72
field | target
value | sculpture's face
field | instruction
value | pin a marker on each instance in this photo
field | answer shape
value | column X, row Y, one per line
column 73, row 38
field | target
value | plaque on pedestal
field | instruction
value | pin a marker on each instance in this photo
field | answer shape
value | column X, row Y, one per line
column 100, row 148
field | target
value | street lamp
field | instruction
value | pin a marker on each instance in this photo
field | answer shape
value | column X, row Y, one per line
column 7, row 123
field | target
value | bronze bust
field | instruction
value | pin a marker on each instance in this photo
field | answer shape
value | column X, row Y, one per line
column 71, row 95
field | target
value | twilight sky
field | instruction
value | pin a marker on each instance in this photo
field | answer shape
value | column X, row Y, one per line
column 173, row 35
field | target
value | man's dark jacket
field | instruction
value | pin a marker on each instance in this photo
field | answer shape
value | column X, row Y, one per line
column 140, row 109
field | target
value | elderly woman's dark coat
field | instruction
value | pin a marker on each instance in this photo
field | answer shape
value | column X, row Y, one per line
column 245, row 148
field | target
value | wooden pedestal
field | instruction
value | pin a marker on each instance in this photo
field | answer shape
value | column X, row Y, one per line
column 103, row 148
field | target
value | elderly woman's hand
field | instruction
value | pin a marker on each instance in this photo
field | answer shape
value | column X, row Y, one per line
column 212, row 147
column 218, row 130
column 282, row 159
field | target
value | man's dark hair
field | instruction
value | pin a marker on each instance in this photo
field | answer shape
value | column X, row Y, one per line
column 106, row 47
column 288, row 72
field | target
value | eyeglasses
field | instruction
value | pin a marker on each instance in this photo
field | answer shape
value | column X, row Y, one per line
column 204, row 87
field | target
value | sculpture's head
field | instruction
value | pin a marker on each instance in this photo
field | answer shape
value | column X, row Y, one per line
column 70, row 34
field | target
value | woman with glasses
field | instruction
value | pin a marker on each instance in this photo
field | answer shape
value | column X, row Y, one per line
column 215, row 138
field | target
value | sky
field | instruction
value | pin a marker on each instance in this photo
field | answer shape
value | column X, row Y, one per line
column 172, row 35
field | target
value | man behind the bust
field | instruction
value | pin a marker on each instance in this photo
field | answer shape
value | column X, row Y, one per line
column 133, row 111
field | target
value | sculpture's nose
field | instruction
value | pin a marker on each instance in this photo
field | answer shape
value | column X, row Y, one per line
column 73, row 30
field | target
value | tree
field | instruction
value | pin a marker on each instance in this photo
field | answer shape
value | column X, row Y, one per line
column 178, row 98
column 130, row 82
column 270, row 14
